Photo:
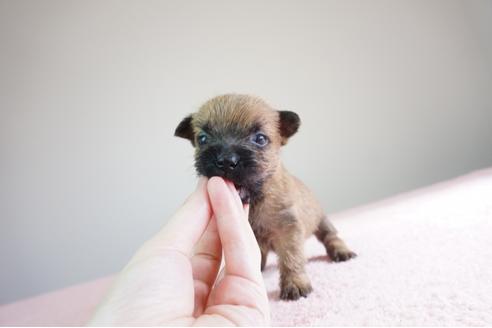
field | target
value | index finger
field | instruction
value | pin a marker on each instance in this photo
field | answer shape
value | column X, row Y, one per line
column 241, row 251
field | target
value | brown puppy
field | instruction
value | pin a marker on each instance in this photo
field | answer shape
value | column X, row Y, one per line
column 238, row 137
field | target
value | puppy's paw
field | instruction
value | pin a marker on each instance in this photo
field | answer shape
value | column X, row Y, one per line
column 340, row 254
column 337, row 250
column 293, row 291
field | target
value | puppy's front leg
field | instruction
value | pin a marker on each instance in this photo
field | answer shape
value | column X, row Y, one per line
column 264, row 255
column 294, row 281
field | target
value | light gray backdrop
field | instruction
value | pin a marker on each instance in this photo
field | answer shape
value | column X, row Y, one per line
column 393, row 95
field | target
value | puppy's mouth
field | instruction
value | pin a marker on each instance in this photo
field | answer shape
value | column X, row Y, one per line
column 243, row 193
column 237, row 178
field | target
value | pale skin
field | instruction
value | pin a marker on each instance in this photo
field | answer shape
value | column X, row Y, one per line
column 174, row 277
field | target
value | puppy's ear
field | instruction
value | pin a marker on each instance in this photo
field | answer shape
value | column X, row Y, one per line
column 289, row 123
column 185, row 129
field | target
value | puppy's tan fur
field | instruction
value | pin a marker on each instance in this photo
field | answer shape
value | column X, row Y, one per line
column 287, row 213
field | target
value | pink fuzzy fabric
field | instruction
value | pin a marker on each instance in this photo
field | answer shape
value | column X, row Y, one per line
column 425, row 258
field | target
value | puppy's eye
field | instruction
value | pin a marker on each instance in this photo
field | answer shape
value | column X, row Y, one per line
column 260, row 139
column 202, row 139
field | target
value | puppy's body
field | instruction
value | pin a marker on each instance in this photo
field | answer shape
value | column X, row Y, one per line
column 238, row 137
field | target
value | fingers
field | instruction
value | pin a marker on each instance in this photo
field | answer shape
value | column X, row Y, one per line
column 205, row 265
column 188, row 224
column 241, row 252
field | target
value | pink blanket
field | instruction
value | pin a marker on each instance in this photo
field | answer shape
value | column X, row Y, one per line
column 425, row 258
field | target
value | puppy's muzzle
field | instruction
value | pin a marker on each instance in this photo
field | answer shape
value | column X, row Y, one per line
column 227, row 161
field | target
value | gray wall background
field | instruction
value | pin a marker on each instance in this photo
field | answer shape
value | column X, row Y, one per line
column 393, row 95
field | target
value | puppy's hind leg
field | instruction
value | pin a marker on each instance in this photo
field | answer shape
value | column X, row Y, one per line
column 335, row 247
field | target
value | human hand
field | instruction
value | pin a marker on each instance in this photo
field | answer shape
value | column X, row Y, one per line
column 173, row 279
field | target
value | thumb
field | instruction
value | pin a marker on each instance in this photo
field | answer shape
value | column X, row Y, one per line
column 241, row 252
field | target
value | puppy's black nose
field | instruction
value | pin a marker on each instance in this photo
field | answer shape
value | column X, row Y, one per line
column 227, row 162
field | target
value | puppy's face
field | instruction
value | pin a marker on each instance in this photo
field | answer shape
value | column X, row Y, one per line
column 238, row 137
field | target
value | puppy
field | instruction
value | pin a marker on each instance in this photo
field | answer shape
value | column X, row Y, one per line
column 238, row 137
